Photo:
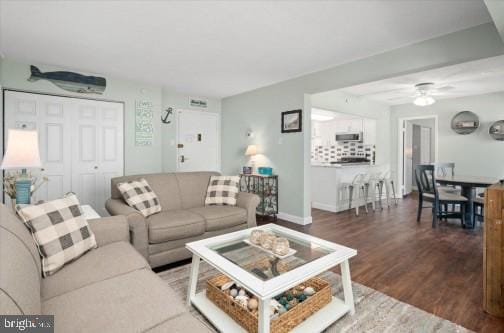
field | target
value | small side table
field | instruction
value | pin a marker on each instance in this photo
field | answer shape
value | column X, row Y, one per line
column 266, row 187
column 89, row 213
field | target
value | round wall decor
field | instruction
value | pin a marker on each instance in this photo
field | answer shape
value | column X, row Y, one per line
column 496, row 130
column 465, row 122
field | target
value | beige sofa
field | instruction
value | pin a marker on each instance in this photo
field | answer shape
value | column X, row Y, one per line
column 184, row 218
column 108, row 289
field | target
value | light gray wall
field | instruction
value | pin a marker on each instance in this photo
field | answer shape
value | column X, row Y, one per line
column 137, row 159
column 161, row 156
column 289, row 154
column 354, row 105
column 169, row 131
column 474, row 154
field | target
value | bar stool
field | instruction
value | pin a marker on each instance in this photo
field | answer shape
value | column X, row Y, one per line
column 387, row 182
column 360, row 184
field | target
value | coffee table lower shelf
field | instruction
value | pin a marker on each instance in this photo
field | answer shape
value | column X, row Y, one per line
column 316, row 323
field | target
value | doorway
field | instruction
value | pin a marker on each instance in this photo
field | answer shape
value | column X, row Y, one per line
column 417, row 145
column 197, row 141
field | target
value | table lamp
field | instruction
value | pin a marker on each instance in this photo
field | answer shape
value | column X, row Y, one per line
column 251, row 151
column 22, row 153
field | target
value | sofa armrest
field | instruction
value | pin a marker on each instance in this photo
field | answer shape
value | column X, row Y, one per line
column 249, row 201
column 136, row 221
column 110, row 229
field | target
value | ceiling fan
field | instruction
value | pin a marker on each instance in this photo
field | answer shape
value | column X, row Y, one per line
column 423, row 93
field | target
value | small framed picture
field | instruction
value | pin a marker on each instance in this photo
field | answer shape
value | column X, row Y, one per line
column 292, row 121
column 247, row 170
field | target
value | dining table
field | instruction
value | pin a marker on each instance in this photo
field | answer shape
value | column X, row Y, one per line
column 468, row 185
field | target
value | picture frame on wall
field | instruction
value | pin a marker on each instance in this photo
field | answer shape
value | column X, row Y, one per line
column 292, row 121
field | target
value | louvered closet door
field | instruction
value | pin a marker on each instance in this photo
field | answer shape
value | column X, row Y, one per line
column 81, row 143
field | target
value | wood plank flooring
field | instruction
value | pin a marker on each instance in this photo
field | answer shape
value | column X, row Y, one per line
column 437, row 270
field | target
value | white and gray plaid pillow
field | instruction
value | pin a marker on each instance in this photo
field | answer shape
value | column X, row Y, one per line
column 222, row 190
column 139, row 195
column 61, row 232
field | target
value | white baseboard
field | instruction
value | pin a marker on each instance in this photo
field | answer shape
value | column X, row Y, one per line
column 295, row 219
column 322, row 206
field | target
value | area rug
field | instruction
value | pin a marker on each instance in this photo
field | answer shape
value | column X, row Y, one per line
column 374, row 311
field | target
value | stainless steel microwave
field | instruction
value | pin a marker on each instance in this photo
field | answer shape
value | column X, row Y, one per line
column 349, row 137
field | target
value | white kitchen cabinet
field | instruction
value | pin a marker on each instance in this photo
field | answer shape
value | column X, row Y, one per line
column 347, row 125
column 369, row 129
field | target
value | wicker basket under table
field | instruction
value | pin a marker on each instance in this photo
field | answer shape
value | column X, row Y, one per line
column 285, row 322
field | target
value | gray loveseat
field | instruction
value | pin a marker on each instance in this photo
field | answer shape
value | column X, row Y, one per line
column 184, row 218
column 108, row 289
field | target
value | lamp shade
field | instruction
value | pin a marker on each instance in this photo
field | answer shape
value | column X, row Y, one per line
column 251, row 150
column 22, row 150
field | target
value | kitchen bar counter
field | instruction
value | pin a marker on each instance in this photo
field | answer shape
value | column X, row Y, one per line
column 344, row 165
column 326, row 181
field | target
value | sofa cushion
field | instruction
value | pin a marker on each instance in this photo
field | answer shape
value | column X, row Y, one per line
column 132, row 302
column 97, row 265
column 193, row 187
column 139, row 195
column 60, row 230
column 19, row 275
column 222, row 190
column 221, row 217
column 174, row 224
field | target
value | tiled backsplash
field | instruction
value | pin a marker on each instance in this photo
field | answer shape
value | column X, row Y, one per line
column 333, row 153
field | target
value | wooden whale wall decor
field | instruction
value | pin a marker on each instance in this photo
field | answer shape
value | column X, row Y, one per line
column 70, row 81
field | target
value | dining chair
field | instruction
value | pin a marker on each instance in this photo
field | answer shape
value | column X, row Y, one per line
column 479, row 207
column 425, row 176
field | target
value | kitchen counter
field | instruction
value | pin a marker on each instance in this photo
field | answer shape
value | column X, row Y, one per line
column 327, row 179
column 344, row 165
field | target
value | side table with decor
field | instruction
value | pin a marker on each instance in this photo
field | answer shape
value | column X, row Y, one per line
column 266, row 187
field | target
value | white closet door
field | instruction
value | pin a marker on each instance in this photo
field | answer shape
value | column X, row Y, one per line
column 47, row 115
column 97, row 151
column 81, row 143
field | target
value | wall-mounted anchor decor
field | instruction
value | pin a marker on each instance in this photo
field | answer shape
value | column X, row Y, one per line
column 168, row 113
column 70, row 81
column 496, row 130
column 465, row 122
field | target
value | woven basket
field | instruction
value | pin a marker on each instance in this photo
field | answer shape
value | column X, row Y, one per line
column 282, row 324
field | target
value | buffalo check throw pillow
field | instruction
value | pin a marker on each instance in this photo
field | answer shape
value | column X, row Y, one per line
column 222, row 190
column 139, row 195
column 61, row 232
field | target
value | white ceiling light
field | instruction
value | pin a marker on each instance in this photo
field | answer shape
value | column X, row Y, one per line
column 321, row 117
column 423, row 93
column 424, row 100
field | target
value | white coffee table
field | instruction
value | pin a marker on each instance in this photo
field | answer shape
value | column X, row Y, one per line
column 230, row 255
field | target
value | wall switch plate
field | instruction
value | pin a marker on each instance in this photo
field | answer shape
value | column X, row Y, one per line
column 280, row 141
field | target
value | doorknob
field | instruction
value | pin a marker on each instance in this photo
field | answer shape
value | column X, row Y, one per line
column 96, row 167
column 183, row 158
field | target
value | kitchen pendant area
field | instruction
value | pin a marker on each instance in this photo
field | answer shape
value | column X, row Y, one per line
column 349, row 154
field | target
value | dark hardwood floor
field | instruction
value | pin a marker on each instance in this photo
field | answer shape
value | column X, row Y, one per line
column 437, row 270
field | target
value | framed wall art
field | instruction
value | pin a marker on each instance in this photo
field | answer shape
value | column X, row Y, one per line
column 292, row 121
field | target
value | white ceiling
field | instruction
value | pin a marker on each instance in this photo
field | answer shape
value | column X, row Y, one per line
column 471, row 78
column 220, row 48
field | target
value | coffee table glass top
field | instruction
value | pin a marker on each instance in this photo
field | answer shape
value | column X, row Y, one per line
column 265, row 265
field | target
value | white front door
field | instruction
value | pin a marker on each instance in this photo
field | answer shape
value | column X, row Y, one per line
column 197, row 141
